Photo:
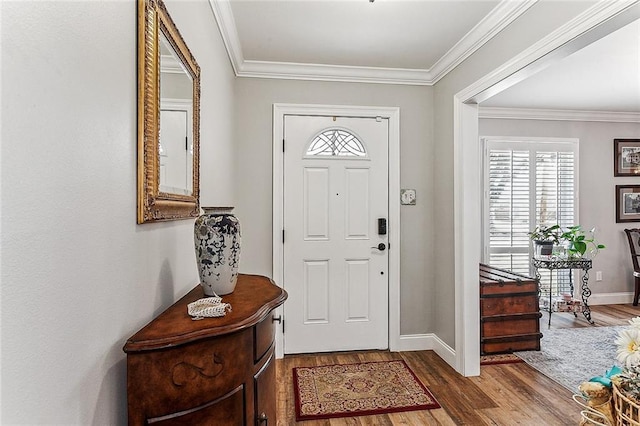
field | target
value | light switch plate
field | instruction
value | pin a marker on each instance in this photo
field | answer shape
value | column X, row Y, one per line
column 408, row 197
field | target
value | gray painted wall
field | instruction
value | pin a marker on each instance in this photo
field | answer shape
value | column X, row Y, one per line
column 253, row 174
column 79, row 276
column 596, row 188
column 541, row 19
column 93, row 276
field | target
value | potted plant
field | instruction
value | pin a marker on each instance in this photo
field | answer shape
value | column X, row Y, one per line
column 544, row 237
column 578, row 242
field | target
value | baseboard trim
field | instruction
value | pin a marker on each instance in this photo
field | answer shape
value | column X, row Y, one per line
column 428, row 342
column 444, row 351
column 610, row 298
column 415, row 342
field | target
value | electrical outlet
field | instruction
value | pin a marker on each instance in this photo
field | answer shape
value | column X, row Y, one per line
column 599, row 276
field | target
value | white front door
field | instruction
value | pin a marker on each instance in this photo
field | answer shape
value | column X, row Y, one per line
column 335, row 247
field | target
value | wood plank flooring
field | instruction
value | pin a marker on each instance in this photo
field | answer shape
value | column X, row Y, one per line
column 503, row 394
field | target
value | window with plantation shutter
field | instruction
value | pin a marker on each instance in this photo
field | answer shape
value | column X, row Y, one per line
column 527, row 182
column 509, row 209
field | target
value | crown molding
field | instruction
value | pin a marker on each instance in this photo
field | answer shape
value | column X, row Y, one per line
column 227, row 25
column 295, row 71
column 557, row 115
column 170, row 64
column 501, row 16
column 592, row 24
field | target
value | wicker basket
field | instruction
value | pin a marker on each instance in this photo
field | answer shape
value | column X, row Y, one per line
column 626, row 410
column 590, row 416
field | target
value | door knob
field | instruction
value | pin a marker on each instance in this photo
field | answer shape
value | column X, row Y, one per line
column 380, row 247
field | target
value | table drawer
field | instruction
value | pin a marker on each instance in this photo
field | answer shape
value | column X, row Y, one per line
column 264, row 334
column 182, row 378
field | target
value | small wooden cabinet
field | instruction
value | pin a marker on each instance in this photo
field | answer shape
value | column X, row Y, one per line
column 509, row 312
column 214, row 371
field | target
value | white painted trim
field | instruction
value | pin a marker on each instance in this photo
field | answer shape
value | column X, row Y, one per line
column 227, row 25
column 537, row 139
column 502, row 15
column 496, row 20
column 467, row 178
column 278, row 214
column 558, row 115
column 562, row 42
column 610, row 298
column 427, row 342
column 600, row 19
column 415, row 342
column 444, row 351
column 391, row 113
column 343, row 73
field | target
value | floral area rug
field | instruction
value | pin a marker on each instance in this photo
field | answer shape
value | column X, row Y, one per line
column 499, row 359
column 346, row 390
column 571, row 356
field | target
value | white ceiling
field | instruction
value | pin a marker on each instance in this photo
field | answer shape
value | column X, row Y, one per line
column 388, row 34
column 418, row 42
column 604, row 76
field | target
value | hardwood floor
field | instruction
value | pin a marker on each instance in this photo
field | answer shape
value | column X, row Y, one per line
column 503, row 394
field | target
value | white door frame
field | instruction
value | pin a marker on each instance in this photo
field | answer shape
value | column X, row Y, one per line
column 393, row 115
column 596, row 22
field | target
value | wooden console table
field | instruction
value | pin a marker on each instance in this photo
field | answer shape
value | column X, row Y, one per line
column 214, row 371
column 555, row 263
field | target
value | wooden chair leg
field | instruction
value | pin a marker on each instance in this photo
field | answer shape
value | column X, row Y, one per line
column 637, row 292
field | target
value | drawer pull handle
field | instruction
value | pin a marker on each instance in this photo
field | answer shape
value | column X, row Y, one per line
column 276, row 319
column 263, row 418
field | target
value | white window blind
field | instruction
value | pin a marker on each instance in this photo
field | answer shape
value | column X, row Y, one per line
column 527, row 183
column 509, row 209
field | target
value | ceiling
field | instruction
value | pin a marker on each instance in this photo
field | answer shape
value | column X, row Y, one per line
column 604, row 76
column 418, row 42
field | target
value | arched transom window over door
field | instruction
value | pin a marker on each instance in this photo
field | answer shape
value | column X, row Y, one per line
column 336, row 143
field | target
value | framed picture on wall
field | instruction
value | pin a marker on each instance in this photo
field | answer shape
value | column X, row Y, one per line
column 626, row 157
column 627, row 203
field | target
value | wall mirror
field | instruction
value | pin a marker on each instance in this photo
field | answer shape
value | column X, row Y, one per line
column 168, row 119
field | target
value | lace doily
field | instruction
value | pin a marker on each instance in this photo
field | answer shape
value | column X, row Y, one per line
column 208, row 307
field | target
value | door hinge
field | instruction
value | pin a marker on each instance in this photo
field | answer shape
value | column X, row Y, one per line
column 283, row 236
column 186, row 143
column 282, row 145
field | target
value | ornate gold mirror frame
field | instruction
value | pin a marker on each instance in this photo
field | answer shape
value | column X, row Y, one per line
column 157, row 36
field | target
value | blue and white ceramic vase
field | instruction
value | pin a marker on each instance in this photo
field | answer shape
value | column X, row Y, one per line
column 217, row 241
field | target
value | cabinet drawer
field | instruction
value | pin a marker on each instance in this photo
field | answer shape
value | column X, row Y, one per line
column 189, row 376
column 227, row 410
column 264, row 333
column 509, row 305
column 265, row 392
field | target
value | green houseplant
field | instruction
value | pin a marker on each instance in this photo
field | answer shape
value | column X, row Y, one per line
column 578, row 241
column 544, row 237
column 574, row 238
